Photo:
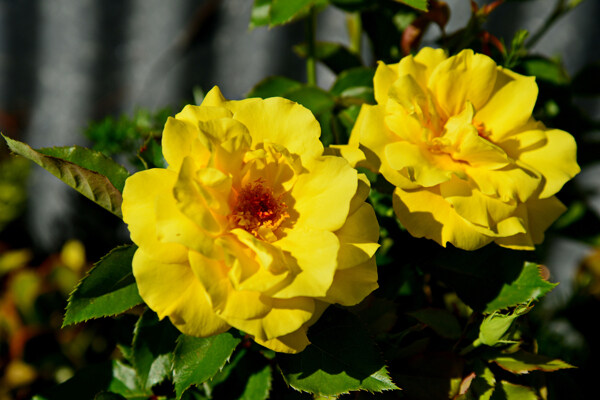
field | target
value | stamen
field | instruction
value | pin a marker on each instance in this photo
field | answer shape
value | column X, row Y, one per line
column 257, row 211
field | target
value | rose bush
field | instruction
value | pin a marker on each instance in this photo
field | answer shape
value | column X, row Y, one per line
column 250, row 226
column 469, row 163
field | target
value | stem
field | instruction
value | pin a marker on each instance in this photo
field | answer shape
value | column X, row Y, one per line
column 355, row 32
column 559, row 10
column 476, row 343
column 311, row 59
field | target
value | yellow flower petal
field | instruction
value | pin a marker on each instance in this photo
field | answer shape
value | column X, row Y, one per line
column 510, row 105
column 323, row 203
column 385, row 75
column 139, row 212
column 553, row 157
column 172, row 290
column 464, row 77
column 315, row 255
column 291, row 343
column 226, row 301
column 358, row 238
column 414, row 209
column 278, row 120
column 350, row 286
column 423, row 167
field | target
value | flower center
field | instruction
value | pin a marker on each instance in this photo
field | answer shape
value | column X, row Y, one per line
column 257, row 211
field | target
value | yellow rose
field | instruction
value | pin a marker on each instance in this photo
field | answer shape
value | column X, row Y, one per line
column 250, row 226
column 455, row 136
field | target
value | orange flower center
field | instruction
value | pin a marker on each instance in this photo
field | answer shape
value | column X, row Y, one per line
column 258, row 211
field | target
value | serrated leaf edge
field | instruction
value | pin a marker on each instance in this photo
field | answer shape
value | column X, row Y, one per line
column 87, row 274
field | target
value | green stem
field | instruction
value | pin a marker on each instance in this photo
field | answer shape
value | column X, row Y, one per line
column 311, row 59
column 355, row 32
column 476, row 343
column 559, row 10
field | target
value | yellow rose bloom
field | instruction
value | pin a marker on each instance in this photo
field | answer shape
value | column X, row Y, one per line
column 455, row 136
column 250, row 226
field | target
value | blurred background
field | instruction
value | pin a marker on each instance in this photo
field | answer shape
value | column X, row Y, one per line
column 64, row 63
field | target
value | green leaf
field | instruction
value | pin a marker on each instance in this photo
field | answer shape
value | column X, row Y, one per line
column 418, row 4
column 109, row 380
column 528, row 286
column 494, row 326
column 509, row 391
column 198, row 359
column 259, row 385
column 109, row 396
column 153, row 344
column 273, row 86
column 283, row 11
column 92, row 160
column 441, row 321
column 352, row 5
column 92, row 183
column 109, row 288
column 546, row 70
column 334, row 55
column 522, row 362
column 315, row 99
column 348, row 80
column 260, row 13
column 151, row 154
column 479, row 276
column 341, row 357
column 482, row 385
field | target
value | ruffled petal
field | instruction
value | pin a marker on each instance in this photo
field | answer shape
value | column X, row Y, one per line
column 314, row 255
column 358, row 238
column 554, row 158
column 425, row 213
column 172, row 290
column 140, row 196
column 510, row 105
column 464, row 77
column 278, row 120
column 350, row 286
column 320, row 201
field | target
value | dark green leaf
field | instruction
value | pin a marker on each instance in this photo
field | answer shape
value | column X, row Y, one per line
column 109, row 288
column 418, row 4
column 352, row 5
column 109, row 396
column 523, row 362
column 260, row 13
column 258, row 386
column 315, row 99
column 441, row 321
column 478, row 277
column 528, row 286
column 113, row 377
column 482, row 385
column 587, row 81
column 273, row 86
column 546, row 70
column 334, row 55
column 151, row 154
column 198, row 359
column 360, row 77
column 92, row 184
column 341, row 357
column 283, row 11
column 509, row 391
column 153, row 344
